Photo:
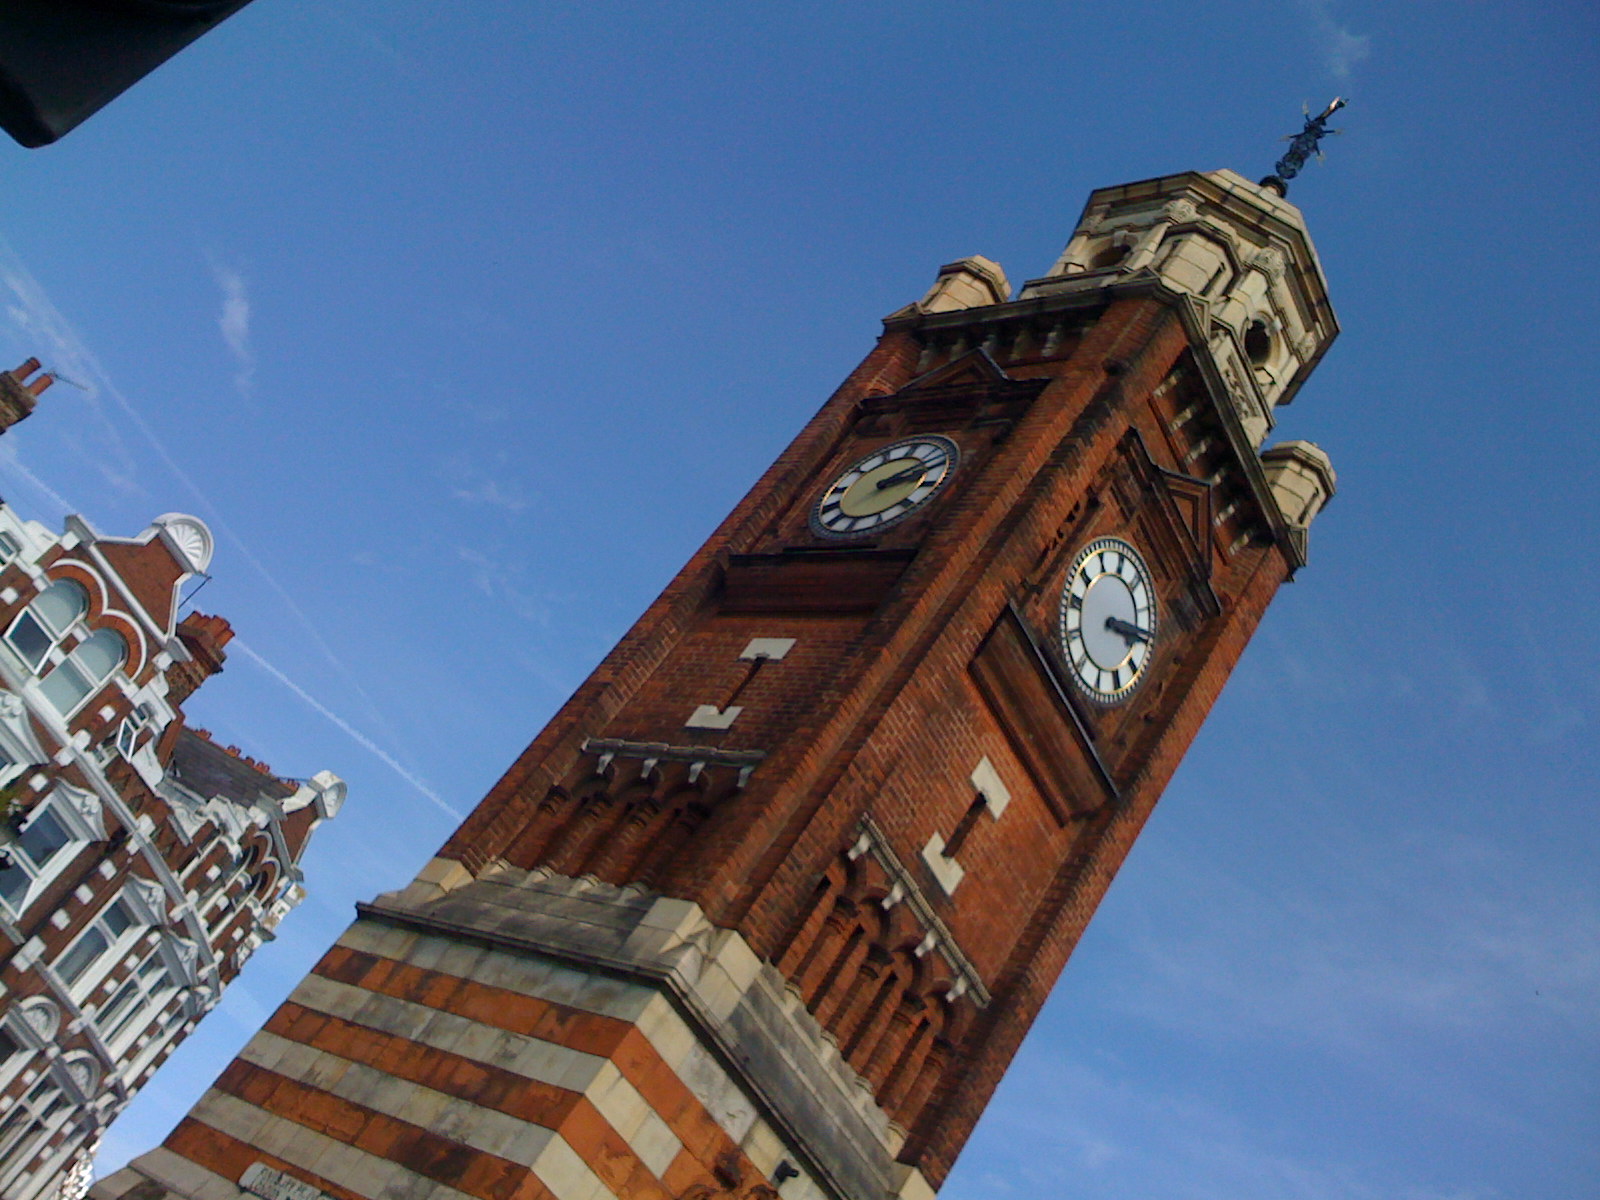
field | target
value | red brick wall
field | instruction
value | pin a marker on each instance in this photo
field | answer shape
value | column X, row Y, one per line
column 876, row 712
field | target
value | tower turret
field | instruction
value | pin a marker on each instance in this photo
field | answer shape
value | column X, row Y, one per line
column 1238, row 252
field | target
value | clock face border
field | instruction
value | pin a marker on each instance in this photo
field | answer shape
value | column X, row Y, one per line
column 829, row 514
column 1123, row 589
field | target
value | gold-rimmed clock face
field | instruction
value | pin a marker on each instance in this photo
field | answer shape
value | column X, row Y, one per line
column 1108, row 619
column 886, row 486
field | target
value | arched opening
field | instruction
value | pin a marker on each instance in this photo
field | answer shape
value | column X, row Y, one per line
column 1109, row 257
column 1258, row 343
column 84, row 670
column 41, row 626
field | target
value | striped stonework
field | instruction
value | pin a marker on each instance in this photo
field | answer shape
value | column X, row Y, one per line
column 530, row 1037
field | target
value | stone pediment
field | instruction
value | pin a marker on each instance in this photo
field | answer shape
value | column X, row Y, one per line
column 971, row 389
column 1175, row 512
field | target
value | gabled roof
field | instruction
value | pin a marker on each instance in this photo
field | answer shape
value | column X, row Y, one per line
column 210, row 770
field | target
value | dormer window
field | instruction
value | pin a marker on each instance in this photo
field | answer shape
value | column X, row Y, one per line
column 40, row 627
column 82, row 672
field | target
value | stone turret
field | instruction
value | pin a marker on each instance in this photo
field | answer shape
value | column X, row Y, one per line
column 1238, row 251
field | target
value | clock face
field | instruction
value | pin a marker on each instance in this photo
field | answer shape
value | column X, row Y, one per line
column 886, row 486
column 1108, row 619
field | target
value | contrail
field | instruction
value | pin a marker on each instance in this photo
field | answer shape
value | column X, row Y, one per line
column 39, row 315
column 8, row 456
column 355, row 734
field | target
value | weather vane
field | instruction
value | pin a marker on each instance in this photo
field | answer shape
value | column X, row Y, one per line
column 1302, row 146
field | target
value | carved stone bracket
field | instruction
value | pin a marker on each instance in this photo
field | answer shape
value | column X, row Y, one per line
column 904, row 889
column 607, row 750
column 1180, row 211
column 1269, row 261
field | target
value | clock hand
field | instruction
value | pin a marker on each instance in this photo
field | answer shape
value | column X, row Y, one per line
column 916, row 472
column 1131, row 633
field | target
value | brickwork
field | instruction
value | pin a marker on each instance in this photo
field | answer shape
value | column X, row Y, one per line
column 852, row 757
column 878, row 714
column 479, row 1074
column 20, row 391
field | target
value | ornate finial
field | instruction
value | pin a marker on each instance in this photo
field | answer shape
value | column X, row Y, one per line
column 1302, row 146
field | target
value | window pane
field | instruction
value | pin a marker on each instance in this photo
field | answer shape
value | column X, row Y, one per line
column 60, row 604
column 8, row 1045
column 14, row 883
column 13, row 1125
column 65, row 687
column 43, row 837
column 71, row 965
column 117, row 919
column 114, row 1014
column 8, row 547
column 101, row 654
column 30, row 640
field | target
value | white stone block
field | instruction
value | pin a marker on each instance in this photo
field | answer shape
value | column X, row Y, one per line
column 946, row 871
column 186, row 1178
column 709, row 716
column 666, row 1031
column 561, row 1170
column 774, row 648
column 991, row 787
column 721, row 1096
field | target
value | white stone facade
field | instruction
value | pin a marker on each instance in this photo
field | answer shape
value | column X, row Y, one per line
column 142, row 863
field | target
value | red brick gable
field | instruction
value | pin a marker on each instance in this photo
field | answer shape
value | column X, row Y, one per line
column 151, row 572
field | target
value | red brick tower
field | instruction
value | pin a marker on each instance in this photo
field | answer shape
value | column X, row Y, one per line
column 767, row 908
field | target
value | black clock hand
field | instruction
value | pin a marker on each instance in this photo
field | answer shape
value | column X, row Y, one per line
column 1131, row 633
column 916, row 472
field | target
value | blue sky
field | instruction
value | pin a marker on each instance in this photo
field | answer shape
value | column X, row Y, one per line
column 463, row 328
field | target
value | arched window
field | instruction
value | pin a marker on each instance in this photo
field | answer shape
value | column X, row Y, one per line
column 85, row 669
column 41, row 626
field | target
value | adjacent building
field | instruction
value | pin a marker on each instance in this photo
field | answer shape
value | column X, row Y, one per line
column 140, row 862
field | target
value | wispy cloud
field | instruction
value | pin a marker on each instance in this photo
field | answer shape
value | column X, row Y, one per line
column 1459, row 958
column 235, row 323
column 1084, row 1124
column 350, row 731
column 52, row 338
column 495, row 579
column 471, row 483
column 14, row 466
column 31, row 310
column 1341, row 50
column 493, row 493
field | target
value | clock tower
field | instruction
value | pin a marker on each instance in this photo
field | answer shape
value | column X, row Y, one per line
column 767, row 908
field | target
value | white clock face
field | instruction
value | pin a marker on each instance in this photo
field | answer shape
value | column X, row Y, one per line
column 1108, row 619
column 886, row 486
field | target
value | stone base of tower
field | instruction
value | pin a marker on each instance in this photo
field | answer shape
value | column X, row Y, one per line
column 521, row 1036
